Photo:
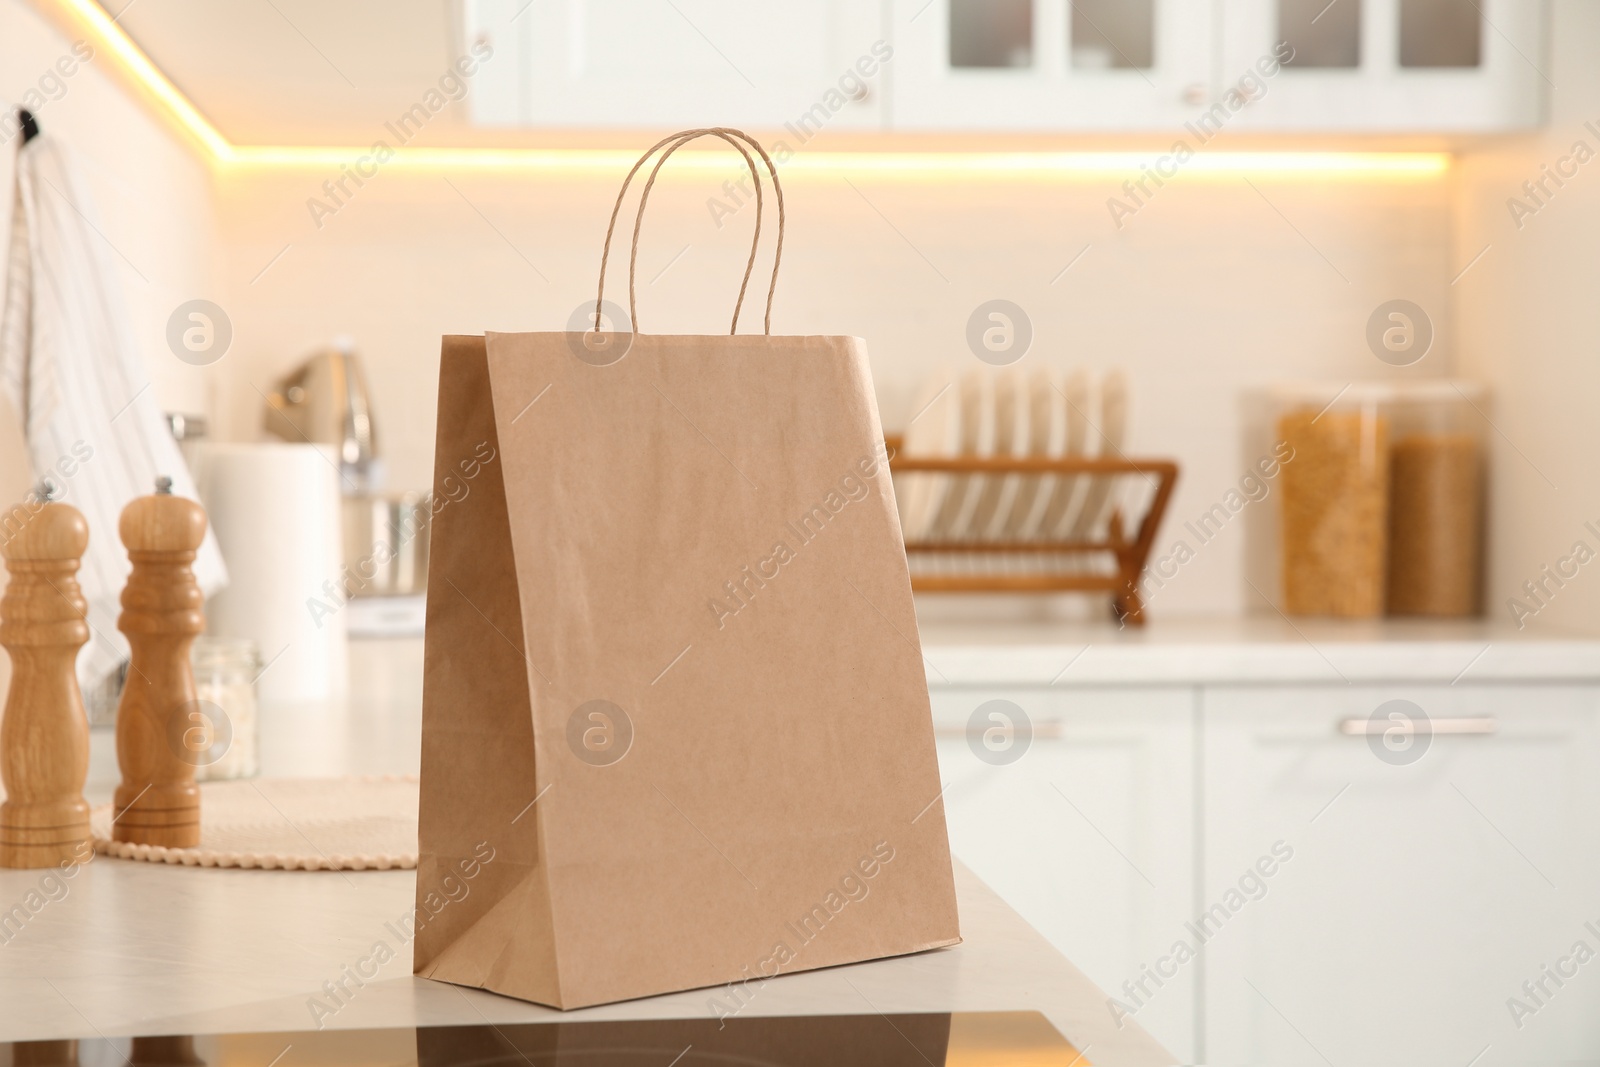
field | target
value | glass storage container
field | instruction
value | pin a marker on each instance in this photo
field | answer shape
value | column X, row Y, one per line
column 1381, row 502
column 1436, row 494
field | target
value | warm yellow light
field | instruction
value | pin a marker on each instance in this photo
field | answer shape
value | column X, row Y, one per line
column 982, row 164
column 898, row 164
column 138, row 64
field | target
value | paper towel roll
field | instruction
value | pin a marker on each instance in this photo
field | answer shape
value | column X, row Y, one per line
column 275, row 509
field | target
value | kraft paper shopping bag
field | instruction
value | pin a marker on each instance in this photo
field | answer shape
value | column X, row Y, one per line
column 675, row 726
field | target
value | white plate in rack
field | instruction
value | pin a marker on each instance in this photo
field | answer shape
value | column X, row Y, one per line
column 1013, row 411
column 1109, row 433
column 977, row 439
column 1067, row 499
column 934, row 430
column 1047, row 438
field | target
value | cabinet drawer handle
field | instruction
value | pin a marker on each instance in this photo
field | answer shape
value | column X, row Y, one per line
column 1047, row 730
column 1465, row 725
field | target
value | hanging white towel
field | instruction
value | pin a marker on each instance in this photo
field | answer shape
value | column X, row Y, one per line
column 70, row 366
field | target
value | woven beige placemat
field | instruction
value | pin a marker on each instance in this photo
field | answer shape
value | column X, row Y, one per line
column 295, row 824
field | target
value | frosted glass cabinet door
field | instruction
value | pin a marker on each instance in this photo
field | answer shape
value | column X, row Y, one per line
column 1089, row 835
column 1390, row 65
column 1049, row 64
column 1429, row 879
column 642, row 64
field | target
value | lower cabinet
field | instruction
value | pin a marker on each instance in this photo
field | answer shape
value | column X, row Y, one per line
column 1086, row 828
column 1301, row 873
column 1434, row 885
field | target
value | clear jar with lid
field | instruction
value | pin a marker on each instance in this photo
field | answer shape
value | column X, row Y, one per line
column 225, row 671
column 1381, row 501
column 1436, row 493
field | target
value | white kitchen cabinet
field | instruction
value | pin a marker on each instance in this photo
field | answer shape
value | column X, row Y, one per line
column 1156, row 66
column 1421, row 893
column 1451, row 66
column 1049, row 64
column 1348, row 908
column 680, row 63
column 1089, row 835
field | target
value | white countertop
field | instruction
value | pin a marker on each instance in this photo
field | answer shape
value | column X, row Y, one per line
column 134, row 949
column 142, row 949
column 1256, row 649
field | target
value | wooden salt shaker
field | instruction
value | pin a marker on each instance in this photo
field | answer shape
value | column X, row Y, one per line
column 158, row 802
column 44, row 739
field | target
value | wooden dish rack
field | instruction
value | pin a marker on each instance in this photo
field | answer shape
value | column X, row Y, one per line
column 1026, row 562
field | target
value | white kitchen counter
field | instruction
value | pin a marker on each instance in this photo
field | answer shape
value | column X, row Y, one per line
column 134, row 949
column 1252, row 649
column 137, row 949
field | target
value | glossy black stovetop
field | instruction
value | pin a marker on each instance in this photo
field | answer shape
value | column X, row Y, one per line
column 962, row 1039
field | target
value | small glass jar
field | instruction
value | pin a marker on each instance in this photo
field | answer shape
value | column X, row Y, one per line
column 101, row 699
column 225, row 670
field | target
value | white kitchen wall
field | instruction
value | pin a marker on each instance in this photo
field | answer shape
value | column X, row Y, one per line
column 151, row 191
column 1217, row 285
column 1214, row 287
column 1528, row 316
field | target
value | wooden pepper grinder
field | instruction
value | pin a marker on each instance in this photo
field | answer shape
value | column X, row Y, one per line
column 44, row 739
column 162, row 613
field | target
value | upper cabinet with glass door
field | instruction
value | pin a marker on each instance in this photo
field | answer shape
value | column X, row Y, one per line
column 1050, row 65
column 1138, row 66
column 675, row 63
column 1446, row 66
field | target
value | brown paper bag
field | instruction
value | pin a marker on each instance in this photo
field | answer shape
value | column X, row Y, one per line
column 675, row 722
